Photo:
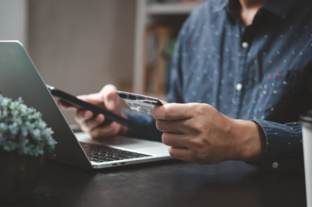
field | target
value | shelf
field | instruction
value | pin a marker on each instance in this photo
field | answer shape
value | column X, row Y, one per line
column 171, row 8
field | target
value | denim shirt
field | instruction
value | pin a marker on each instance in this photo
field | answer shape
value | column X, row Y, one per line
column 261, row 73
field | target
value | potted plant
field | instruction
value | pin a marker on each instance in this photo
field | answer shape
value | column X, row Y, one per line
column 25, row 140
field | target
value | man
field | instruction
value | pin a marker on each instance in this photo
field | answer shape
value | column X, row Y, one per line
column 241, row 75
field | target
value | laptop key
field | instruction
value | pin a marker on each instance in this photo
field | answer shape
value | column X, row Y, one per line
column 98, row 153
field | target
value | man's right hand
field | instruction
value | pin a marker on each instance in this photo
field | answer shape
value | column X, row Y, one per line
column 93, row 125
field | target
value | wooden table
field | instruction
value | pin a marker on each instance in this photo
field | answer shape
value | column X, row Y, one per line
column 166, row 183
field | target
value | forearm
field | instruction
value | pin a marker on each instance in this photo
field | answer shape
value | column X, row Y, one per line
column 252, row 140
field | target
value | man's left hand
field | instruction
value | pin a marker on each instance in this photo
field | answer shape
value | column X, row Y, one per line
column 199, row 133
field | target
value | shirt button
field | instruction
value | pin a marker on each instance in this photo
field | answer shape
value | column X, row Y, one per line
column 275, row 165
column 245, row 45
column 239, row 87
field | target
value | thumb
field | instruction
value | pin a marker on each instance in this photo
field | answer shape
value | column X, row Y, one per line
column 163, row 102
column 94, row 98
column 110, row 98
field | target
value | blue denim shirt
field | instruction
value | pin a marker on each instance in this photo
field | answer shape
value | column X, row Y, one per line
column 261, row 72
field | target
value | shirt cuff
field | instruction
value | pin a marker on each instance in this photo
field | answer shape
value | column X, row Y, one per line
column 144, row 127
column 284, row 151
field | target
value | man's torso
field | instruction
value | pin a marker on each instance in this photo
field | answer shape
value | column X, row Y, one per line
column 257, row 72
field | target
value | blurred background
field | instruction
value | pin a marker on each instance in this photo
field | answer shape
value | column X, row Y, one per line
column 81, row 45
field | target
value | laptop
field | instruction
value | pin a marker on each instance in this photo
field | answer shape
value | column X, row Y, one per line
column 19, row 78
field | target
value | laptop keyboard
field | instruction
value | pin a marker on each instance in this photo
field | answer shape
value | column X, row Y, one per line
column 98, row 153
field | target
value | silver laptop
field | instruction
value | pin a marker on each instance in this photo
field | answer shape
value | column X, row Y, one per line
column 19, row 78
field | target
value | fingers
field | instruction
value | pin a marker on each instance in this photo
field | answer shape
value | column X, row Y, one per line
column 83, row 115
column 92, row 126
column 110, row 98
column 65, row 105
column 174, row 140
column 180, row 154
column 106, row 97
column 173, row 111
column 94, row 98
column 93, row 122
column 178, row 127
column 107, row 131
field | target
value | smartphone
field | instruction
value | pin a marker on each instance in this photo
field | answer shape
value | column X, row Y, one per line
column 74, row 101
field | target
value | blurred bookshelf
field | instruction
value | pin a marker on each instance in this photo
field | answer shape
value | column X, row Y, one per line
column 157, row 25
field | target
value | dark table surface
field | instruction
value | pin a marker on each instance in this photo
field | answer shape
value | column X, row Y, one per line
column 166, row 183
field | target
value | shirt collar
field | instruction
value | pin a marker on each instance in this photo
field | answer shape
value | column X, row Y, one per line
column 220, row 5
column 278, row 7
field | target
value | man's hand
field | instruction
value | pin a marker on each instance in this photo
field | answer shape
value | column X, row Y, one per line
column 199, row 133
column 92, row 125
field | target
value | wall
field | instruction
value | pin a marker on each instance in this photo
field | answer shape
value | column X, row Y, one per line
column 13, row 20
column 81, row 45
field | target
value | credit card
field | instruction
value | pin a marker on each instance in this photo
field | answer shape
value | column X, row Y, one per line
column 139, row 103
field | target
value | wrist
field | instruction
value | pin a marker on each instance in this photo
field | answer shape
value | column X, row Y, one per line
column 123, row 129
column 252, row 140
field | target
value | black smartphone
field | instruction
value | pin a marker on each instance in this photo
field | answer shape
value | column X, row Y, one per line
column 74, row 101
